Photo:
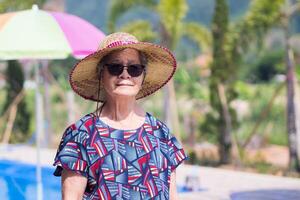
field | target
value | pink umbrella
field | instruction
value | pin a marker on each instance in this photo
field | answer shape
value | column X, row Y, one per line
column 39, row 34
column 82, row 36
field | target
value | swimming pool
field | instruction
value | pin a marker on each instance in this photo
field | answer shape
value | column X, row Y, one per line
column 17, row 181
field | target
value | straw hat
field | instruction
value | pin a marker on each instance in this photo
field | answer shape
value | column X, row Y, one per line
column 161, row 66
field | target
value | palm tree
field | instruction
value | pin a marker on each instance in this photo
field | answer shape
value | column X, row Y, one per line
column 172, row 28
column 230, row 41
column 219, row 78
column 278, row 11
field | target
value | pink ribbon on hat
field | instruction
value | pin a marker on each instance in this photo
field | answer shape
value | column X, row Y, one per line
column 118, row 43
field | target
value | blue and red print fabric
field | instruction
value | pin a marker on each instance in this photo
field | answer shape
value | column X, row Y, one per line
column 119, row 164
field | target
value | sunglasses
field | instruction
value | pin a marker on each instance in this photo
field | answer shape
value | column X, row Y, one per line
column 133, row 70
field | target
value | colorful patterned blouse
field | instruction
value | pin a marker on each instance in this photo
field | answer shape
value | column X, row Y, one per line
column 120, row 164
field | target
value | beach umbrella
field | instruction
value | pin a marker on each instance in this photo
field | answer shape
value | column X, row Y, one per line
column 42, row 35
column 39, row 34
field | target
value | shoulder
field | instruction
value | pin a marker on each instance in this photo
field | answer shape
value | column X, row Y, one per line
column 160, row 129
column 80, row 130
column 85, row 123
column 156, row 122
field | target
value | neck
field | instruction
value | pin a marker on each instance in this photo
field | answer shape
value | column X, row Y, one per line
column 118, row 109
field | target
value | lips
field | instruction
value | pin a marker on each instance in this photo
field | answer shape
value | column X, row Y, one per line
column 122, row 84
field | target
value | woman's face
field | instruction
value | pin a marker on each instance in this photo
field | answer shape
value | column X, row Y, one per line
column 123, row 84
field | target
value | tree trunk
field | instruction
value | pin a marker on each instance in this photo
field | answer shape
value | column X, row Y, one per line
column 297, row 105
column 264, row 113
column 225, row 136
column 12, row 113
column 170, row 106
column 291, row 117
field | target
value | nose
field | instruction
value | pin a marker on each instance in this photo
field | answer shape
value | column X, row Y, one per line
column 124, row 74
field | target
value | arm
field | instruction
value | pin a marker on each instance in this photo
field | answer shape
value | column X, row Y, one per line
column 173, row 189
column 73, row 185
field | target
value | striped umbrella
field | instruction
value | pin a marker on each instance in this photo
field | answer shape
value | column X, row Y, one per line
column 39, row 34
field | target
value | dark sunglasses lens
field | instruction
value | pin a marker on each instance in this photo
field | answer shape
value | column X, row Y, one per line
column 135, row 70
column 115, row 69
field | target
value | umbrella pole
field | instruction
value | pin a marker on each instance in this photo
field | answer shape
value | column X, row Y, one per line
column 39, row 132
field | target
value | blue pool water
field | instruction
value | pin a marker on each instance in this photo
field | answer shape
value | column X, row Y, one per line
column 18, row 181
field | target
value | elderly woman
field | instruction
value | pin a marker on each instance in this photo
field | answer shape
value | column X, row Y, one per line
column 119, row 151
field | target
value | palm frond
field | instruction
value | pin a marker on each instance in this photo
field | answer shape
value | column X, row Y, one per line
column 172, row 13
column 118, row 8
column 198, row 33
column 262, row 15
column 141, row 29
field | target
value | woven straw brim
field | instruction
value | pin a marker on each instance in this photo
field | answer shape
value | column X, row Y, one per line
column 160, row 69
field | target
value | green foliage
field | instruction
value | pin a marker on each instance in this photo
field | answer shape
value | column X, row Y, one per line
column 182, row 77
column 172, row 13
column 261, row 16
column 9, row 5
column 59, row 113
column 297, row 68
column 14, row 81
column 230, row 42
column 209, row 130
column 187, row 81
column 30, row 104
column 172, row 25
column 2, row 99
column 202, row 38
column 192, row 158
column 60, row 70
column 118, row 8
column 153, row 103
column 220, row 63
column 199, row 10
column 267, row 66
column 272, row 129
column 24, row 119
column 141, row 29
column 276, row 116
column 246, row 90
column 14, row 85
column 221, row 69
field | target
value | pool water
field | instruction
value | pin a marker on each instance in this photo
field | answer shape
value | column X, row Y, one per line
column 18, row 181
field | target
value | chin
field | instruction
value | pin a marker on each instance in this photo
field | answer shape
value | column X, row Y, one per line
column 125, row 93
